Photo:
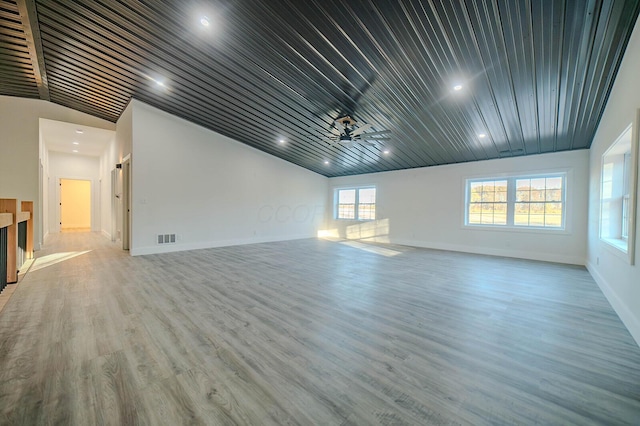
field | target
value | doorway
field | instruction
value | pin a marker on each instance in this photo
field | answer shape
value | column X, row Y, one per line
column 126, row 203
column 75, row 205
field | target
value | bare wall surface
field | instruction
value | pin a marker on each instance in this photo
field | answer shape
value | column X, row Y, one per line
column 619, row 280
column 425, row 208
column 210, row 190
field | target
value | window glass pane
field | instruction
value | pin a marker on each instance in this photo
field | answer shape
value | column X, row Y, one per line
column 522, row 195
column 538, row 183
column 625, row 217
column 501, row 197
column 500, row 214
column 523, row 184
column 554, row 183
column 626, row 174
column 346, row 204
column 554, row 195
column 487, row 213
column 347, row 196
column 537, row 195
column 367, row 204
column 536, row 214
column 367, row 195
column 521, row 214
column 346, row 211
column 476, row 187
column 488, row 186
column 476, row 197
column 488, row 197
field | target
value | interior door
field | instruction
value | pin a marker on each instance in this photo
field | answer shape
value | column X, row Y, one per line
column 75, row 205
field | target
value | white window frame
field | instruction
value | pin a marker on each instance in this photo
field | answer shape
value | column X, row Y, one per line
column 511, row 202
column 617, row 219
column 336, row 205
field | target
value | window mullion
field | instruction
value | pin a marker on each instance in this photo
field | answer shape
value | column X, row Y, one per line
column 355, row 206
column 511, row 201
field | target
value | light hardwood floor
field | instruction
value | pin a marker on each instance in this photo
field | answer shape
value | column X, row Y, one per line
column 310, row 332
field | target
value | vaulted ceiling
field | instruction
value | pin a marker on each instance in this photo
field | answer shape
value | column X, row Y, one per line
column 533, row 75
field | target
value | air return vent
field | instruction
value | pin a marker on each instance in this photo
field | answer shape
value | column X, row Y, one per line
column 166, row 238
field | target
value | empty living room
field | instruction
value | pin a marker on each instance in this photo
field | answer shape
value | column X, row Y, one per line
column 305, row 212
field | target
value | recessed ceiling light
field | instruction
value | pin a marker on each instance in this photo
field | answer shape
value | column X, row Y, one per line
column 457, row 87
column 386, row 151
column 79, row 131
column 482, row 135
column 205, row 21
column 75, row 150
column 76, row 143
column 326, row 161
column 281, row 141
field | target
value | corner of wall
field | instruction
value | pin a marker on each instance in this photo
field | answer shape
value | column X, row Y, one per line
column 631, row 321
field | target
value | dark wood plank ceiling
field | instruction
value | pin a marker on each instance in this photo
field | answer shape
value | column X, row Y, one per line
column 17, row 77
column 535, row 74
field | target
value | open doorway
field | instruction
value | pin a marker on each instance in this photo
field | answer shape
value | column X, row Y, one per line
column 75, row 205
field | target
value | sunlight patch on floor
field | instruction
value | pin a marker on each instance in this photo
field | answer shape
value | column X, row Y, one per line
column 372, row 249
column 52, row 259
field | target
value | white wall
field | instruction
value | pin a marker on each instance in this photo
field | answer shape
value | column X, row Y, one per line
column 108, row 161
column 119, row 149
column 619, row 281
column 213, row 191
column 69, row 166
column 425, row 208
column 19, row 147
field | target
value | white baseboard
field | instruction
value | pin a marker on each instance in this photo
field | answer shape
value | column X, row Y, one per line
column 519, row 254
column 631, row 321
column 169, row 248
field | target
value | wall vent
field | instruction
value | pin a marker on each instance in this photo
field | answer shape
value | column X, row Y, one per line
column 166, row 238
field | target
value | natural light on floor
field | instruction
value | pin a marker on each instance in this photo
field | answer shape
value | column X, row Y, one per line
column 52, row 259
column 371, row 248
column 375, row 231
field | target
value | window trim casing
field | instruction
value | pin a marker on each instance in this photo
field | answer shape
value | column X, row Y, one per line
column 616, row 246
column 511, row 178
column 357, row 188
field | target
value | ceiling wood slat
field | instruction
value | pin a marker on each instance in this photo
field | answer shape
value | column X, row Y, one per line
column 535, row 75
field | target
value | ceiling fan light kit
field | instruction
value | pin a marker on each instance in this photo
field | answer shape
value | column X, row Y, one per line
column 350, row 135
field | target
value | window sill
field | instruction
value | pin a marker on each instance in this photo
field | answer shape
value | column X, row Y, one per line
column 616, row 243
column 517, row 229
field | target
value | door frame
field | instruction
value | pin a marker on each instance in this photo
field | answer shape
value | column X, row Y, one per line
column 92, row 207
column 126, row 202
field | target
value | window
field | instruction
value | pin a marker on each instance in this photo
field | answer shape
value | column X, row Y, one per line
column 356, row 203
column 539, row 202
column 488, row 202
column 616, row 192
column 517, row 202
column 626, row 194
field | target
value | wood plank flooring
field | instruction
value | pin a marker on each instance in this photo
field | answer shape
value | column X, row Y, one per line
column 310, row 332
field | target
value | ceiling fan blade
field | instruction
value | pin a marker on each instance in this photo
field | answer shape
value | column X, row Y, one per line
column 375, row 139
column 381, row 132
column 360, row 129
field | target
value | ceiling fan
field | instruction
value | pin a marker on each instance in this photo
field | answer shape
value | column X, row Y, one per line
column 351, row 135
